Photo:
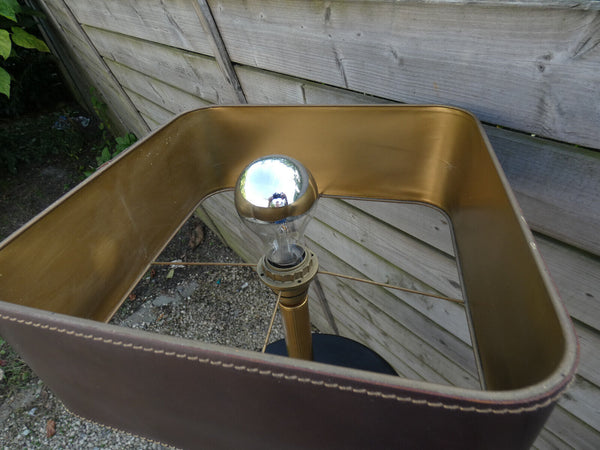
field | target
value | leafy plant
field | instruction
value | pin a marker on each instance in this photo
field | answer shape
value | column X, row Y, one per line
column 13, row 31
column 121, row 143
column 14, row 373
column 100, row 109
column 112, row 147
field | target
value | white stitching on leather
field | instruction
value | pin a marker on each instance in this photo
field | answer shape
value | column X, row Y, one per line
column 279, row 375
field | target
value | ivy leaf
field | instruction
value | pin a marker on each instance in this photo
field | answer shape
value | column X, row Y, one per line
column 24, row 39
column 9, row 9
column 104, row 156
column 4, row 82
column 5, row 44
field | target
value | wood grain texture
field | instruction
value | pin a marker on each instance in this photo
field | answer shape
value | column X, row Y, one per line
column 589, row 343
column 531, row 69
column 264, row 87
column 93, row 71
column 426, row 224
column 391, row 339
column 155, row 114
column 164, row 95
column 564, row 430
column 547, row 441
column 196, row 74
column 556, row 184
column 403, row 262
column 582, row 400
column 219, row 50
column 393, row 320
column 170, row 22
column 415, row 257
column 150, row 121
column 70, row 71
column 577, row 278
column 118, row 106
column 410, row 310
column 573, row 4
column 371, row 314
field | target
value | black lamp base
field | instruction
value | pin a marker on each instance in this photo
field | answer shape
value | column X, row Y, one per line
column 339, row 351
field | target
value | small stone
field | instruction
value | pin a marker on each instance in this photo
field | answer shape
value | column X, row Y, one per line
column 188, row 289
column 163, row 300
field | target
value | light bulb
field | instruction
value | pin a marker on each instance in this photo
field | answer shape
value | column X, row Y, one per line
column 275, row 195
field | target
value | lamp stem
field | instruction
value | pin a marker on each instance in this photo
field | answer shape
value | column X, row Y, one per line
column 296, row 321
column 291, row 284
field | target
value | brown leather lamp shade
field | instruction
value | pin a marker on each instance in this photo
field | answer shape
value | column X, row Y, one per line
column 65, row 273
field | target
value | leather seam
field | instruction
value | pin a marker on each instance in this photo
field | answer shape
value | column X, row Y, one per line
column 280, row 375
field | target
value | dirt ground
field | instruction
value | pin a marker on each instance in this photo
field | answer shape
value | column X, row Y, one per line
column 219, row 305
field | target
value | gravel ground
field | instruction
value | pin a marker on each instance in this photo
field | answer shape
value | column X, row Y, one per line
column 220, row 305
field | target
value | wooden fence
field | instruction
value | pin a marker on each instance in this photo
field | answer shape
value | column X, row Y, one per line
column 529, row 69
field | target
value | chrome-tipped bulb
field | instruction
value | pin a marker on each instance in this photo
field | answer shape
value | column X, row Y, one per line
column 275, row 195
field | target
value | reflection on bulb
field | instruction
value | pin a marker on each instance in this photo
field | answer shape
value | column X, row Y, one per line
column 274, row 196
column 269, row 183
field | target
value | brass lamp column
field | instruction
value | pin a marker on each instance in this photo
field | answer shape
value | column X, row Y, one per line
column 274, row 196
column 292, row 287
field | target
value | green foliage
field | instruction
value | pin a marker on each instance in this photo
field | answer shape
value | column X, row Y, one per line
column 4, row 82
column 112, row 147
column 124, row 142
column 100, row 109
column 14, row 372
column 14, row 22
column 120, row 143
column 38, row 138
column 26, row 40
column 9, row 9
column 5, row 44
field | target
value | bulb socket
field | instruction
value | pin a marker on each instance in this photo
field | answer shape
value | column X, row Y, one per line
column 291, row 282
